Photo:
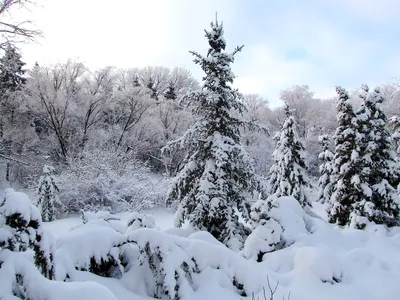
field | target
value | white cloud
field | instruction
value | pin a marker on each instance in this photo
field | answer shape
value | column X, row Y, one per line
column 133, row 33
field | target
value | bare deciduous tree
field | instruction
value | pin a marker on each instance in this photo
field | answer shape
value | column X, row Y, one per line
column 98, row 88
column 11, row 31
column 54, row 93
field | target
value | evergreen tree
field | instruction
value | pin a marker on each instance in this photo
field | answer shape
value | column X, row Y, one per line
column 325, row 168
column 344, row 192
column 217, row 174
column 152, row 89
column 11, row 71
column 136, row 81
column 287, row 174
column 376, row 163
column 11, row 80
column 47, row 197
column 170, row 93
column 22, row 230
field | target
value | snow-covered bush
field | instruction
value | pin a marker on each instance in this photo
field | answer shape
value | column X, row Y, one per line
column 150, row 261
column 267, row 232
column 136, row 221
column 93, row 247
column 277, row 223
column 21, row 229
column 87, row 216
column 19, row 279
column 22, row 236
column 110, row 180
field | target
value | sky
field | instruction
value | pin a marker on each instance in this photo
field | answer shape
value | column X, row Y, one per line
column 289, row 42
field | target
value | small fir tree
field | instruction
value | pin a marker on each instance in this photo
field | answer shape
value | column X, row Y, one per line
column 344, row 169
column 47, row 196
column 11, row 71
column 217, row 174
column 376, row 163
column 325, row 168
column 170, row 94
column 287, row 174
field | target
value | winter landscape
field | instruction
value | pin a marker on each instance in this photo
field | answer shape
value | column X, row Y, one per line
column 150, row 182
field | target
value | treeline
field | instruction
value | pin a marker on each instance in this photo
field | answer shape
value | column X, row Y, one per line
column 103, row 130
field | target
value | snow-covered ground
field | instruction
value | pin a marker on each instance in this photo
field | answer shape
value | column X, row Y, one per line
column 324, row 262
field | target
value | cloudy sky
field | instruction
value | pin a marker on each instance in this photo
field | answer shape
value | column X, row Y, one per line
column 319, row 43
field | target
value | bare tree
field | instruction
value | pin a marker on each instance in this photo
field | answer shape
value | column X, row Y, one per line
column 13, row 32
column 301, row 100
column 53, row 94
column 98, row 88
column 131, row 103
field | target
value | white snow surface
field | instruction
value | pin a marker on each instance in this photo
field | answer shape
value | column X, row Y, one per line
column 321, row 260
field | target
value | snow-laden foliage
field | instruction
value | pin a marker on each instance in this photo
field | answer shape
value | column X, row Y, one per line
column 21, row 231
column 150, row 261
column 325, row 169
column 378, row 172
column 287, row 174
column 19, row 279
column 277, row 224
column 175, row 263
column 47, row 189
column 344, row 171
column 217, row 175
column 136, row 221
column 266, row 235
column 107, row 180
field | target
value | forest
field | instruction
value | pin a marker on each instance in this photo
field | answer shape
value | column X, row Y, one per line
column 145, row 183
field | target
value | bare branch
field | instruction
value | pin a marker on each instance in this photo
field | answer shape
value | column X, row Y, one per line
column 16, row 32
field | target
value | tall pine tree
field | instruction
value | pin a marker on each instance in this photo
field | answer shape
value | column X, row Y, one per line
column 344, row 171
column 11, row 80
column 376, row 163
column 287, row 174
column 325, row 168
column 217, row 174
column 47, row 194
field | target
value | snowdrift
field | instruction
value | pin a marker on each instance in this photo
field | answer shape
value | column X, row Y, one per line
column 130, row 258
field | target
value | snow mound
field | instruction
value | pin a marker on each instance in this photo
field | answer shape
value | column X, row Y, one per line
column 320, row 263
column 296, row 223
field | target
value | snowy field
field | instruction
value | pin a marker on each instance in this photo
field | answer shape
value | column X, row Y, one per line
column 323, row 262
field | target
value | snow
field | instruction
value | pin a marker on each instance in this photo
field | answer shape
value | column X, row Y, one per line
column 17, row 202
column 38, row 287
column 318, row 260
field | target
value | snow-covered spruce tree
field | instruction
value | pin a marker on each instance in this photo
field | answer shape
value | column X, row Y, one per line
column 47, row 196
column 344, row 192
column 21, row 229
column 217, row 173
column 325, row 168
column 287, row 174
column 377, row 166
column 11, row 80
column 11, row 70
